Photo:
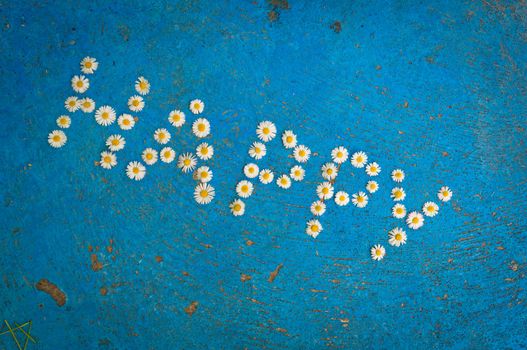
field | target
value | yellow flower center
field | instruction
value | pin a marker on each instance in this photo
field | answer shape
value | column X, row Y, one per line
column 197, row 106
column 415, row 220
column 135, row 170
column 339, row 154
column 107, row 159
column 204, row 193
column 360, row 199
column 115, row 142
column 142, row 85
column 204, row 150
column 257, row 150
column 314, row 228
column 289, row 139
column 149, row 156
column 237, row 207
column 186, row 162
column 168, row 154
column 398, row 194
column 325, row 190
column 204, row 174
column 283, row 181
column 245, row 188
column 359, row 159
column 342, row 198
column 398, row 236
column 297, row 172
column 378, row 252
column 72, row 103
column 201, row 127
column 373, row 169
column 266, row 130
column 86, row 104
column 56, row 138
column 105, row 115
column 126, row 122
column 430, row 208
column 399, row 210
column 176, row 117
column 302, row 153
column 318, row 208
column 251, row 170
column 265, row 176
column 88, row 64
column 135, row 103
column 80, row 83
column 445, row 193
column 329, row 171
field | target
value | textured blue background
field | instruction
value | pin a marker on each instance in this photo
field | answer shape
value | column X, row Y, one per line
column 438, row 89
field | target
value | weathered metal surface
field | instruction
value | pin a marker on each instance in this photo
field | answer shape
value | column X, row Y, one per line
column 436, row 88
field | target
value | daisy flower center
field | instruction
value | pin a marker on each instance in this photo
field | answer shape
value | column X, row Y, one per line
column 257, row 150
column 297, row 172
column 314, row 228
column 135, row 103
column 237, row 207
column 415, row 220
column 373, row 169
column 289, row 139
column 265, row 176
column 204, row 174
column 342, row 198
column 142, row 84
column 201, row 127
column 445, row 193
column 88, row 64
column 115, row 142
column 339, row 154
column 302, row 153
column 107, row 159
column 149, row 156
column 72, row 103
column 87, row 104
column 167, row 154
column 105, row 115
column 359, row 159
column 126, row 122
column 266, row 130
column 378, row 252
column 318, row 208
column 135, row 170
column 204, row 193
column 186, row 162
column 430, row 208
column 398, row 237
column 398, row 194
column 245, row 188
column 251, row 170
column 283, row 181
column 196, row 106
column 80, row 83
column 176, row 117
column 329, row 171
column 204, row 150
column 399, row 210
column 325, row 190
column 360, row 199
column 56, row 138
column 161, row 135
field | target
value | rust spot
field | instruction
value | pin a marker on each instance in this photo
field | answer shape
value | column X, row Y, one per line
column 336, row 26
column 318, row 291
column 335, row 281
column 159, row 258
column 245, row 277
column 206, row 245
column 272, row 16
column 90, row 248
column 281, row 4
column 249, row 242
column 274, row 273
column 136, row 119
column 95, row 263
column 185, row 273
column 378, row 67
column 405, row 105
column 500, row 248
column 513, row 265
column 96, row 163
column 193, row 306
column 445, row 154
column 109, row 248
column 103, row 291
column 52, row 290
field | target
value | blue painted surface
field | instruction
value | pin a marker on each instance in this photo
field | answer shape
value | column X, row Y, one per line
column 437, row 89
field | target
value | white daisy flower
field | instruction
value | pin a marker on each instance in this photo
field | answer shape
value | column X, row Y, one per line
column 89, row 65
column 359, row 159
column 415, row 220
column 187, row 162
column 398, row 175
column 373, row 169
column 289, row 139
column 284, row 182
column 372, row 186
column 342, row 198
column 87, row 105
column 135, row 171
column 149, row 156
column 399, row 211
column 266, row 176
column 64, row 121
column 339, row 155
column 430, row 209
column 360, row 200
column 201, row 127
column 115, row 143
column 325, row 190
column 297, row 173
column 257, row 150
column 72, row 104
column 196, row 106
column 377, row 252
column 314, row 227
column 126, row 121
column 142, row 86
column 80, row 83
column 204, row 193
column 108, row 160
column 301, row 153
column 398, row 194
column 397, row 237
column 244, row 189
column 176, row 118
column 167, row 155
column 251, row 170
column 329, row 171
column 162, row 136
column 444, row 194
column 203, row 174
column 237, row 207
column 266, row 131
column 318, row 208
column 105, row 115
column 57, row 138
column 205, row 151
column 136, row 103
